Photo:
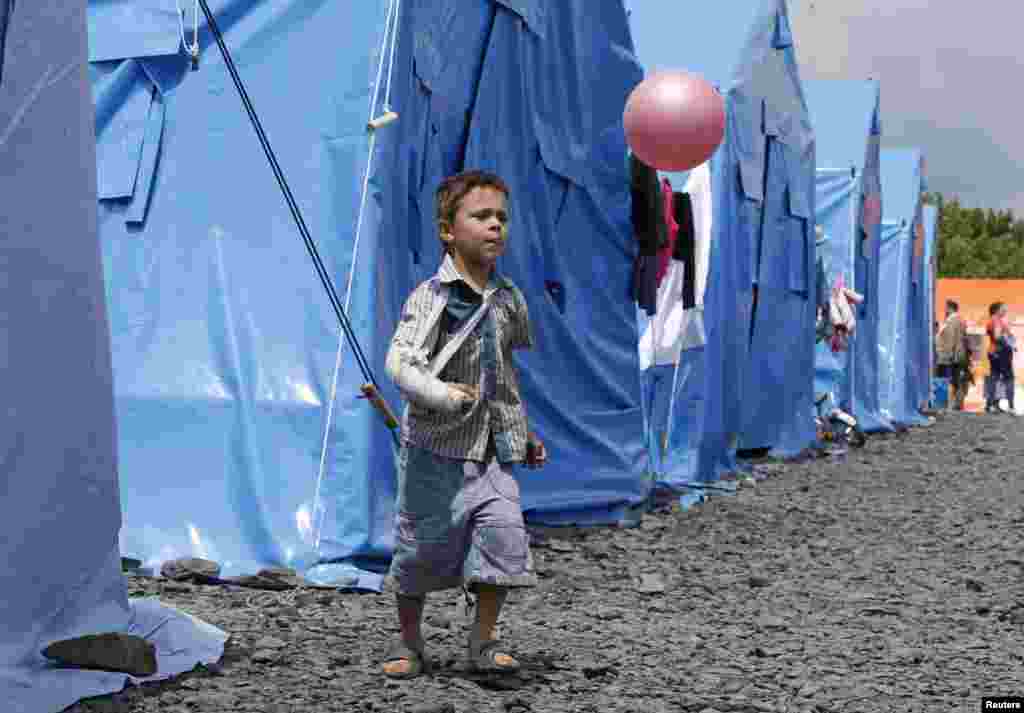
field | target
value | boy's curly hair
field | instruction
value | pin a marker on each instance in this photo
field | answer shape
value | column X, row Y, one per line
column 454, row 188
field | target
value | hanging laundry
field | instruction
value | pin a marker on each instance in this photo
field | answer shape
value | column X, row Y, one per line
column 698, row 187
column 822, row 324
column 648, row 209
column 685, row 247
column 701, row 210
column 842, row 315
column 645, row 283
column 679, row 324
column 671, row 230
column 649, row 229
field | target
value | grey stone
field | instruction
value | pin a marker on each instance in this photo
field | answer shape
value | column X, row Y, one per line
column 651, row 584
column 190, row 569
column 433, row 708
column 259, row 581
column 771, row 622
column 173, row 587
column 306, row 599
column 265, row 655
column 122, row 653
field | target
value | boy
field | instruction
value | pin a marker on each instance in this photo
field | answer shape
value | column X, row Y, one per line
column 459, row 521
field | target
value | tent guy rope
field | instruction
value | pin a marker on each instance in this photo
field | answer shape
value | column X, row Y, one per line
column 371, row 389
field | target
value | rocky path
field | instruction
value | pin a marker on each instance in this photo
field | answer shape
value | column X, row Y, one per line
column 890, row 580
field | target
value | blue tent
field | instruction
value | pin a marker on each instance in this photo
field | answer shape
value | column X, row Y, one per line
column 60, row 511
column 900, row 355
column 243, row 436
column 930, row 217
column 848, row 129
column 758, row 379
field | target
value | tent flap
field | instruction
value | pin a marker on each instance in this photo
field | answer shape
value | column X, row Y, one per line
column 531, row 11
column 123, row 94
column 122, row 29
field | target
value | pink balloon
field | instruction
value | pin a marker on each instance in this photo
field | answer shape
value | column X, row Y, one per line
column 674, row 120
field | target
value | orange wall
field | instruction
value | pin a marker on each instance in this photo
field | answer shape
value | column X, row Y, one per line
column 974, row 297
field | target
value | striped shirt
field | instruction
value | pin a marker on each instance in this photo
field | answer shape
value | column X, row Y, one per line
column 483, row 360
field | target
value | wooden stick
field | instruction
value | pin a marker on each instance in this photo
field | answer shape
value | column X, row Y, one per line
column 377, row 401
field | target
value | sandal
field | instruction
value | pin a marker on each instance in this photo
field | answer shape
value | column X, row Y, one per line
column 483, row 658
column 418, row 663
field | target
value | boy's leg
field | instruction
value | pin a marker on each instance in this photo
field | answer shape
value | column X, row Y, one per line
column 410, row 616
column 489, row 601
column 429, row 549
column 498, row 558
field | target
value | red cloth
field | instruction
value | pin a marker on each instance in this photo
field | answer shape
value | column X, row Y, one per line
column 665, row 252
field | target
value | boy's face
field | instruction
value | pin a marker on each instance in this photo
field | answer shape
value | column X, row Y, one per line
column 478, row 234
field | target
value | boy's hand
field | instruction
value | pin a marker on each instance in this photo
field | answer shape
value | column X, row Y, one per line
column 462, row 394
column 536, row 453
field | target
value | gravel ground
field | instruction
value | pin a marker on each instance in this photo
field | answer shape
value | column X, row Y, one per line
column 888, row 580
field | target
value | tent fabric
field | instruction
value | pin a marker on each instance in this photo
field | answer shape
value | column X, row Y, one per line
column 900, row 357
column 846, row 120
column 242, row 435
column 61, row 512
column 922, row 324
column 260, row 451
column 518, row 95
column 778, row 397
column 930, row 217
column 837, row 194
column 745, row 49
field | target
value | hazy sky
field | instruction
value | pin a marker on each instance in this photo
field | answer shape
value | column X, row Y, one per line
column 951, row 75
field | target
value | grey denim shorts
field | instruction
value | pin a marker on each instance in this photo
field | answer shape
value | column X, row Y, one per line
column 458, row 523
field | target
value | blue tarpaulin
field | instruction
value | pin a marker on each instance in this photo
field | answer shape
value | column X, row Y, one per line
column 930, row 217
column 922, row 315
column 759, row 376
column 900, row 357
column 847, row 126
column 243, row 436
column 60, row 512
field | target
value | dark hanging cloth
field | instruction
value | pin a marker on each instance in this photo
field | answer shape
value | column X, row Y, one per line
column 645, row 283
column 821, row 283
column 648, row 207
column 671, row 228
column 650, row 230
column 685, row 250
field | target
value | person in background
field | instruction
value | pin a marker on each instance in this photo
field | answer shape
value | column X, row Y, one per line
column 952, row 355
column 1001, row 347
